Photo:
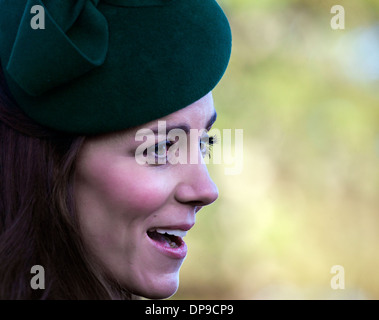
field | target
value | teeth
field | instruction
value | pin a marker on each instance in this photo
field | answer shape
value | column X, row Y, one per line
column 177, row 233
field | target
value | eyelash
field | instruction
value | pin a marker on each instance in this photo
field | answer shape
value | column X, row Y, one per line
column 210, row 142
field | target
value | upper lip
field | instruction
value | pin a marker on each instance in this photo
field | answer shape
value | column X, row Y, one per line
column 183, row 227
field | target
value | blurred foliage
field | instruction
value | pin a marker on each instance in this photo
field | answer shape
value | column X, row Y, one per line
column 307, row 99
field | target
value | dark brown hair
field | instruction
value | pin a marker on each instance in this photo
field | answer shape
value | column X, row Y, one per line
column 38, row 223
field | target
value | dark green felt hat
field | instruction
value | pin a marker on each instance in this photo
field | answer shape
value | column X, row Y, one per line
column 96, row 66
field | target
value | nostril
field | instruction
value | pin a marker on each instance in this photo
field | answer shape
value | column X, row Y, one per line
column 197, row 209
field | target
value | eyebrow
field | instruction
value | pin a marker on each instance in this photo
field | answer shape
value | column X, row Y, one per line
column 211, row 121
column 186, row 128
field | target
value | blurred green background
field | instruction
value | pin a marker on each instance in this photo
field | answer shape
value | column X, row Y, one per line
column 307, row 99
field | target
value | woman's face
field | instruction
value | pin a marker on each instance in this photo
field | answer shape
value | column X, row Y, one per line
column 125, row 208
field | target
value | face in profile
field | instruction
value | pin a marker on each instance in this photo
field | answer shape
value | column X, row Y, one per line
column 134, row 217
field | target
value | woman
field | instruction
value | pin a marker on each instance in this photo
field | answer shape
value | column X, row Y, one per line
column 78, row 83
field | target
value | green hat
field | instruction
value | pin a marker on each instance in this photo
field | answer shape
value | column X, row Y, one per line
column 90, row 66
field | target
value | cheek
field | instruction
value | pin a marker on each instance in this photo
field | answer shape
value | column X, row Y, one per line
column 138, row 191
column 125, row 186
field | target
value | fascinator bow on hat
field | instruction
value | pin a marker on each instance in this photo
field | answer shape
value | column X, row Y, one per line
column 99, row 66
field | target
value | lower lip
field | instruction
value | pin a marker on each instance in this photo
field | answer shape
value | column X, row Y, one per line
column 175, row 253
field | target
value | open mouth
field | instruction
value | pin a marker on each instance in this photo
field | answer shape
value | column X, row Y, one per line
column 167, row 237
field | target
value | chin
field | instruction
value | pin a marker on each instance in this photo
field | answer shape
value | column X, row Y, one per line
column 162, row 287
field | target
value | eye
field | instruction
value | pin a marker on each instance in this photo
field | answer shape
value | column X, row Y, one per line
column 206, row 145
column 159, row 152
column 161, row 148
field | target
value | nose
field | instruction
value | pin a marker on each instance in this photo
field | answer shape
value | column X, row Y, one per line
column 196, row 186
